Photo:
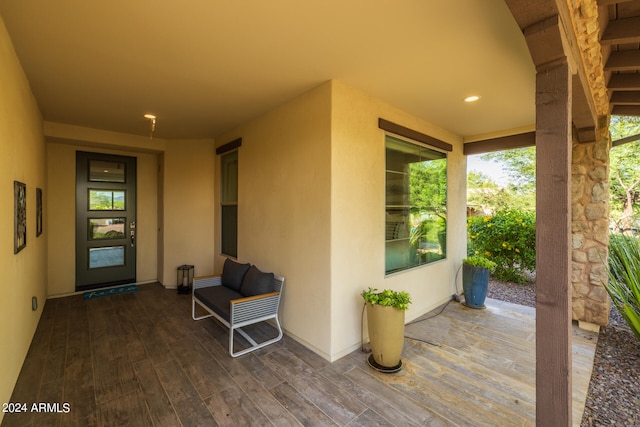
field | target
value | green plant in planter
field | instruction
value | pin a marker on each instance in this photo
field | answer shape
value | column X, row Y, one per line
column 480, row 261
column 385, row 323
column 387, row 298
column 475, row 280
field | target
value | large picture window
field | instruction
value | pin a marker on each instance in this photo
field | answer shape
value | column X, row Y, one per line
column 416, row 205
column 229, row 203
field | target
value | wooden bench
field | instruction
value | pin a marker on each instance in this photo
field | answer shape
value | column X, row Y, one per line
column 242, row 295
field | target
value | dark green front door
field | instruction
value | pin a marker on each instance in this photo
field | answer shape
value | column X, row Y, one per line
column 105, row 220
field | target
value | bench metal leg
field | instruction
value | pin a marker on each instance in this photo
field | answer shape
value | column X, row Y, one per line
column 193, row 311
column 254, row 344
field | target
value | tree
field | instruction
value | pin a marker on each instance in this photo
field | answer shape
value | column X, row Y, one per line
column 486, row 194
column 428, row 187
column 520, row 165
column 624, row 177
column 519, row 194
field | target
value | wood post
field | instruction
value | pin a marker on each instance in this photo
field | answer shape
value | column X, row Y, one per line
column 553, row 244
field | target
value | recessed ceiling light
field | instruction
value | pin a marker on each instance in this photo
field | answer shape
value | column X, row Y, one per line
column 472, row 98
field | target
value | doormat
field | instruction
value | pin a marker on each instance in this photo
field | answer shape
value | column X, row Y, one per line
column 110, row 291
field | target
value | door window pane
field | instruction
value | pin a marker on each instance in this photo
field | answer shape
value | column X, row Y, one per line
column 416, row 205
column 105, row 171
column 110, row 256
column 106, row 200
column 106, row 228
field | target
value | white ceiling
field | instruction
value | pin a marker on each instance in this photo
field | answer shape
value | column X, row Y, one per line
column 205, row 66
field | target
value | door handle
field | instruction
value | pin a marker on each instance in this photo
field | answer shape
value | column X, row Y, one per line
column 133, row 238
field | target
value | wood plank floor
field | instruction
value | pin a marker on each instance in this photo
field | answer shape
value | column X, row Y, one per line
column 139, row 360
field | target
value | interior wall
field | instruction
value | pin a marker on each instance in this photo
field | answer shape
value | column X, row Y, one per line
column 284, row 209
column 358, row 216
column 22, row 158
column 61, row 214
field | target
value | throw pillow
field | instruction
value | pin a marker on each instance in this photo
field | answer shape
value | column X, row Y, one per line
column 233, row 273
column 256, row 282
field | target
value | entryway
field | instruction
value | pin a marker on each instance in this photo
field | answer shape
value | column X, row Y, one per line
column 105, row 220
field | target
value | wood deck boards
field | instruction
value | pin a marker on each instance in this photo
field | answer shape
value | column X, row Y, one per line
column 138, row 359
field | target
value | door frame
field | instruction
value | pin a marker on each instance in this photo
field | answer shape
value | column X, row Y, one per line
column 100, row 276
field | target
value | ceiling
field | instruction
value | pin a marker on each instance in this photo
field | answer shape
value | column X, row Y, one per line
column 205, row 66
column 620, row 40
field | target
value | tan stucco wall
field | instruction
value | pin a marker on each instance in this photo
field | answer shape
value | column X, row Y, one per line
column 60, row 218
column 284, row 208
column 188, row 208
column 357, row 215
column 311, row 207
column 22, row 158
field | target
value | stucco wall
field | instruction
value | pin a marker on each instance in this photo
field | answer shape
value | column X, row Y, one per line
column 187, row 208
column 22, row 158
column 284, row 208
column 357, row 215
column 311, row 207
column 61, row 214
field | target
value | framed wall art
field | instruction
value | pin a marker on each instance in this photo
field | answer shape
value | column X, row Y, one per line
column 38, row 211
column 20, row 216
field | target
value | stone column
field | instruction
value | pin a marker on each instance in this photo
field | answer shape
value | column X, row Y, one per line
column 590, row 229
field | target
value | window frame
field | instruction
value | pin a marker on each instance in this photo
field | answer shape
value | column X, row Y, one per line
column 402, row 207
column 229, row 199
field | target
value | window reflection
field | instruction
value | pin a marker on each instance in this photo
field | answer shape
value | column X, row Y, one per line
column 104, row 171
column 106, row 257
column 106, row 200
column 416, row 205
column 106, row 228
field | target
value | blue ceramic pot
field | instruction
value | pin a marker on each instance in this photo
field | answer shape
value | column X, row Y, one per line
column 475, row 281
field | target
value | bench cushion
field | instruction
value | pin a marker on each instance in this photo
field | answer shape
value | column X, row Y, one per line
column 256, row 282
column 217, row 299
column 233, row 273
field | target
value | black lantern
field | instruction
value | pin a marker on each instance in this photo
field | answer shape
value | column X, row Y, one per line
column 185, row 279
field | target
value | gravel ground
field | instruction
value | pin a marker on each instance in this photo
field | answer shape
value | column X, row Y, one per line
column 613, row 397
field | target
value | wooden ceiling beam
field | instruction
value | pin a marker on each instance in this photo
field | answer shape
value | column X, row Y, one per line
column 626, row 60
column 626, row 30
column 628, row 139
column 624, row 82
column 510, row 142
column 610, row 2
column 526, row 13
column 546, row 41
column 631, row 97
column 626, row 110
column 547, row 28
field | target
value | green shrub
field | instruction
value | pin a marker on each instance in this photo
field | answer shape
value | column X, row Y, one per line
column 624, row 278
column 387, row 298
column 480, row 261
column 507, row 238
